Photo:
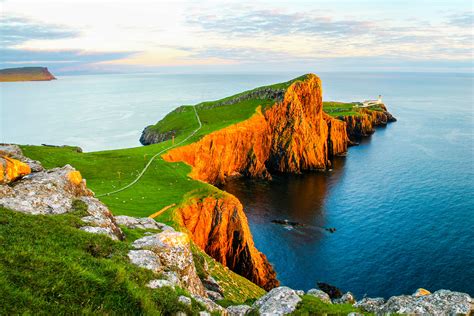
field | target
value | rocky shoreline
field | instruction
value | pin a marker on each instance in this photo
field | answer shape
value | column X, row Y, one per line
column 168, row 254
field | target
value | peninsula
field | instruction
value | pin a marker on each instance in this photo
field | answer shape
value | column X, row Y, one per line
column 25, row 74
column 170, row 240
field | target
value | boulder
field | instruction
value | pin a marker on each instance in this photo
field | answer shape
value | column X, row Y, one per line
column 100, row 216
column 98, row 230
column 238, row 310
column 155, row 284
column 210, row 305
column 12, row 169
column 145, row 259
column 15, row 152
column 279, row 301
column 174, row 251
column 347, row 298
column 323, row 296
column 370, row 305
column 211, row 284
column 143, row 222
column 185, row 300
column 442, row 302
column 46, row 192
column 215, row 296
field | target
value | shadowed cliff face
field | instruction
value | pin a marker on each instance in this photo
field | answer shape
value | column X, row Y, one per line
column 218, row 225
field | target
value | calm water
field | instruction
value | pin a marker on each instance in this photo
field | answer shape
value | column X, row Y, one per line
column 402, row 201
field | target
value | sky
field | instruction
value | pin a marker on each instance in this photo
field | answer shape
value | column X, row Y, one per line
column 85, row 36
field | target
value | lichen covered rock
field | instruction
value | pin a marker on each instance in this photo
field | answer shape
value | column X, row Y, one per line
column 12, row 169
column 279, row 301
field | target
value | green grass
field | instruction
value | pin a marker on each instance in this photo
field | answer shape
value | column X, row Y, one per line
column 48, row 266
column 311, row 305
column 336, row 109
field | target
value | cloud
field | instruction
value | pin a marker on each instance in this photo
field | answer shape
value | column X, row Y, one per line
column 465, row 19
column 56, row 60
column 270, row 22
column 17, row 30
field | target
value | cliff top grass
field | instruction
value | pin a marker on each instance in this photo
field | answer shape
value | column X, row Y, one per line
column 41, row 270
column 25, row 74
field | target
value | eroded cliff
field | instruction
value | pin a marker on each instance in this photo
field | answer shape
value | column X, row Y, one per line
column 218, row 225
column 365, row 122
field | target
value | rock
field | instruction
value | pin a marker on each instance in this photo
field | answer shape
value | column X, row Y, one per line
column 98, row 230
column 215, row 296
column 279, row 301
column 174, row 251
column 204, row 314
column 101, row 216
column 370, row 305
column 143, row 222
column 299, row 292
column 15, row 152
column 155, row 284
column 145, row 259
column 209, row 304
column 46, row 192
column 355, row 314
column 442, row 302
column 347, row 298
column 421, row 292
column 12, row 169
column 211, row 284
column 172, row 277
column 331, row 290
column 185, row 300
column 238, row 310
column 323, row 296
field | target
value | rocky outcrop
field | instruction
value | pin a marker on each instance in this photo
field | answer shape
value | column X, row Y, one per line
column 364, row 123
column 174, row 252
column 15, row 152
column 279, row 301
column 218, row 225
column 151, row 136
column 12, row 169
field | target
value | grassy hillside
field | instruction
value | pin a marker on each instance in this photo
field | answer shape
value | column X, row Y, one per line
column 25, row 74
column 42, row 270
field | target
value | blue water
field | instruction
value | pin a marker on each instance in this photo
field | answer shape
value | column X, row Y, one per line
column 402, row 201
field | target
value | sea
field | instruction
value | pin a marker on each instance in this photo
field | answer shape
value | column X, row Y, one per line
column 401, row 202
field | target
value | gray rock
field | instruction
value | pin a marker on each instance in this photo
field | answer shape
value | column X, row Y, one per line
column 172, row 277
column 299, row 292
column 279, row 301
column 185, row 300
column 442, row 302
column 238, row 310
column 202, row 313
column 145, row 259
column 371, row 305
column 323, row 296
column 155, row 284
column 215, row 296
column 212, row 285
column 209, row 304
column 133, row 222
column 99, row 230
column 347, row 298
column 174, row 250
column 355, row 314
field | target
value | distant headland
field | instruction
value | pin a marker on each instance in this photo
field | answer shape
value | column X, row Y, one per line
column 26, row 74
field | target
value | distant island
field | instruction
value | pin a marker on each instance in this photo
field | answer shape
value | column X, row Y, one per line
column 26, row 74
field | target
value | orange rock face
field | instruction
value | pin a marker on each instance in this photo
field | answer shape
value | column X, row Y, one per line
column 364, row 124
column 291, row 136
column 12, row 169
column 218, row 225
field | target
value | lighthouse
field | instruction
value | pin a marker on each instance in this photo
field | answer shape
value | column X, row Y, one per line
column 379, row 100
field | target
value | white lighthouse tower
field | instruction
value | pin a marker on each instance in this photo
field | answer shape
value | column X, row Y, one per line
column 379, row 100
